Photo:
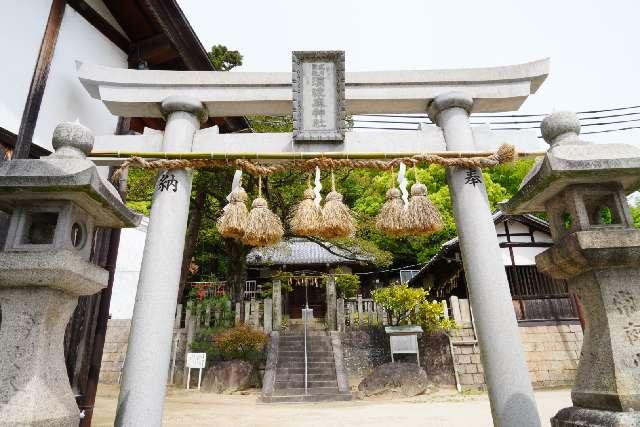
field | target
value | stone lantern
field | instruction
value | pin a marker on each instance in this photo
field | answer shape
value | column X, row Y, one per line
column 54, row 205
column 581, row 186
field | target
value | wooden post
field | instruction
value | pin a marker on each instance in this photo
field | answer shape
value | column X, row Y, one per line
column 268, row 315
column 340, row 314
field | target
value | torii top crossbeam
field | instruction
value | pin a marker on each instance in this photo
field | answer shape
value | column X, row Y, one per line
column 138, row 93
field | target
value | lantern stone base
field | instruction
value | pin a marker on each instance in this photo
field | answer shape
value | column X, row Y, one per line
column 584, row 417
column 34, row 386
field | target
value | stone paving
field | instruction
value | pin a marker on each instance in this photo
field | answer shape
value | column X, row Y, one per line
column 443, row 409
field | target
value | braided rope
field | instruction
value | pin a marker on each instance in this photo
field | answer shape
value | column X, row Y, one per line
column 504, row 154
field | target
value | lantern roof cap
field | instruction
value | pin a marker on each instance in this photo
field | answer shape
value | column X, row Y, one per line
column 66, row 175
column 571, row 160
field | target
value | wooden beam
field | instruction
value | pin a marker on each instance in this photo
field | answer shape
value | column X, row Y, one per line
column 174, row 24
column 101, row 24
column 154, row 50
column 39, row 80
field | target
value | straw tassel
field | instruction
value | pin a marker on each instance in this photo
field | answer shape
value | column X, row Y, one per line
column 423, row 217
column 263, row 228
column 233, row 221
column 307, row 217
column 336, row 216
column 391, row 219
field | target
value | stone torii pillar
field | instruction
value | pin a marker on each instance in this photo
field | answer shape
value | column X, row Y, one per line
column 505, row 368
column 144, row 377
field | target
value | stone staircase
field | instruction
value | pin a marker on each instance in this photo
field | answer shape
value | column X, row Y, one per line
column 286, row 382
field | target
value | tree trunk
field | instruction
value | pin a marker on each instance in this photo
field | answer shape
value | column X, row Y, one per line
column 237, row 275
column 191, row 238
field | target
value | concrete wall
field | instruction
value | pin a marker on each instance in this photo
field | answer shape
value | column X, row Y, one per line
column 125, row 282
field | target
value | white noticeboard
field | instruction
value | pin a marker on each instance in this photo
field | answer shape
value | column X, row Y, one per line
column 195, row 361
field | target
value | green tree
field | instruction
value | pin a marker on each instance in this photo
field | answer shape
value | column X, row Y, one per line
column 223, row 59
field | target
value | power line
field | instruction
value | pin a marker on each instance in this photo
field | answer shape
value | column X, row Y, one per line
column 414, row 116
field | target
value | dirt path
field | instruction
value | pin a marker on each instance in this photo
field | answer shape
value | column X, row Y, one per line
column 444, row 409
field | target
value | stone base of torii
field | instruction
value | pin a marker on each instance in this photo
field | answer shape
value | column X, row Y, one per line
column 185, row 98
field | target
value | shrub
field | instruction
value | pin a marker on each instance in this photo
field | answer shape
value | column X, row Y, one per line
column 241, row 342
column 347, row 285
column 406, row 305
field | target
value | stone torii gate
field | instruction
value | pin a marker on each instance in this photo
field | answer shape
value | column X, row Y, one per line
column 321, row 95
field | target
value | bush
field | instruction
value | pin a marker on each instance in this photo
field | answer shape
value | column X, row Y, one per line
column 240, row 342
column 347, row 285
column 406, row 305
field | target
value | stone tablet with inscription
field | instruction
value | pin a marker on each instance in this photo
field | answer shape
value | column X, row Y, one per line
column 318, row 96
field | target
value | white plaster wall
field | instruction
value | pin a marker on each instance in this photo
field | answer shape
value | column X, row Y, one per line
column 125, row 281
column 22, row 25
column 64, row 97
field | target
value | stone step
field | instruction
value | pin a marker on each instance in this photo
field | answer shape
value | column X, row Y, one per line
column 300, row 391
column 311, row 377
column 299, row 364
column 312, row 385
column 296, row 352
column 300, row 346
column 328, row 370
column 300, row 341
column 310, row 359
column 309, row 398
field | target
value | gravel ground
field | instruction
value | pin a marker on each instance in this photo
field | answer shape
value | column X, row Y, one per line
column 444, row 408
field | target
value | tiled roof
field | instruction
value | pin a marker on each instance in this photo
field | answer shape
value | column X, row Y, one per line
column 302, row 251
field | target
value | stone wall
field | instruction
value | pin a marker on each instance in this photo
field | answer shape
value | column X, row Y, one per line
column 552, row 354
column 367, row 347
column 115, row 350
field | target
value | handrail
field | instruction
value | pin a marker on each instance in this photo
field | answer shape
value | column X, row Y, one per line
column 306, row 315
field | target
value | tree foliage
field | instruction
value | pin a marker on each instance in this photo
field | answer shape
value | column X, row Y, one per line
column 406, row 305
column 223, row 59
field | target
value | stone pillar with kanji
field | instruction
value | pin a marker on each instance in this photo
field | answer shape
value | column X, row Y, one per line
column 581, row 187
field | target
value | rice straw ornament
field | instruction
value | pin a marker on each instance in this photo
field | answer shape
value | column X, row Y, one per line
column 423, row 217
column 233, row 221
column 392, row 219
column 336, row 216
column 307, row 215
column 263, row 228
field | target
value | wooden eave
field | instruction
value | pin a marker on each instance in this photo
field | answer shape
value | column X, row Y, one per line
column 159, row 37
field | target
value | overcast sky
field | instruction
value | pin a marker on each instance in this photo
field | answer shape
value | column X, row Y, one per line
column 593, row 45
